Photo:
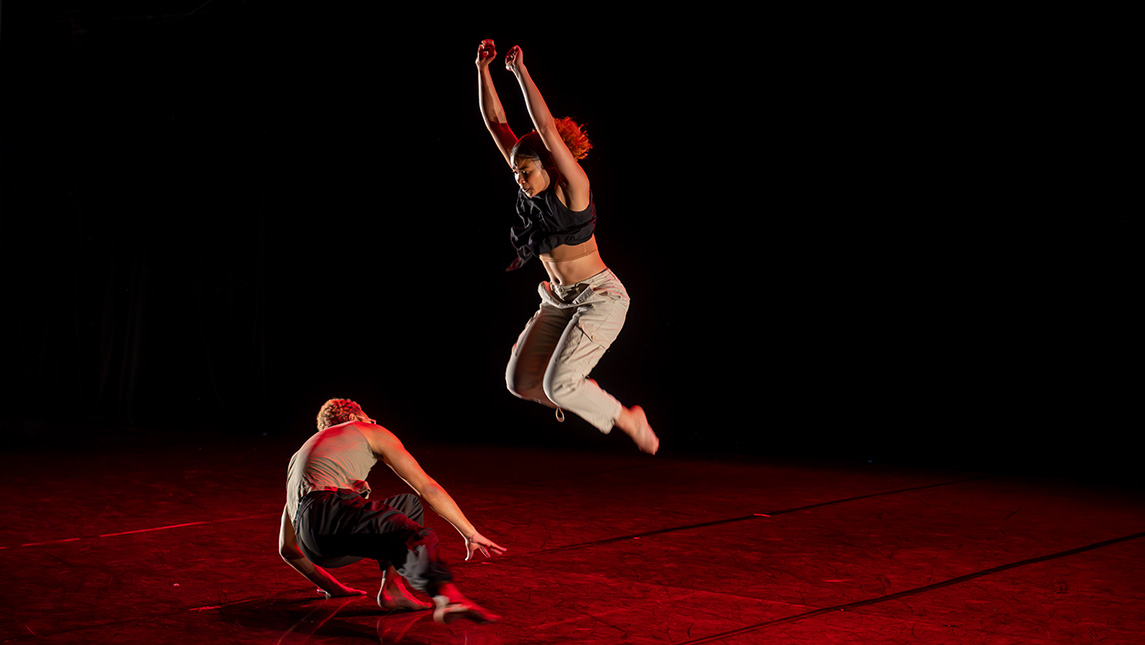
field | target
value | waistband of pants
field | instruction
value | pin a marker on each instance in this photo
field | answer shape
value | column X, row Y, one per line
column 604, row 285
column 593, row 281
column 343, row 493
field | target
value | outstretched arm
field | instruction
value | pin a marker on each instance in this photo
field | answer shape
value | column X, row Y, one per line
column 574, row 180
column 490, row 104
column 288, row 549
column 393, row 454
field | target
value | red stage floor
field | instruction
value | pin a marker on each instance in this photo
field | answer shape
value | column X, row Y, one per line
column 177, row 544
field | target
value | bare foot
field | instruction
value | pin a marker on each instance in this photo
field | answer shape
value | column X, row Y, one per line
column 395, row 597
column 405, row 603
column 634, row 423
column 449, row 610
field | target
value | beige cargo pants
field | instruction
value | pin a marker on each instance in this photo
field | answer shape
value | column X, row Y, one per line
column 563, row 341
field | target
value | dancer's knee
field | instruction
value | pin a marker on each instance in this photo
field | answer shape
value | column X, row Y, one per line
column 405, row 501
column 523, row 387
column 409, row 505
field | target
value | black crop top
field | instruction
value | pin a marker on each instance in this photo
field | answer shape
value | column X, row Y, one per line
column 546, row 223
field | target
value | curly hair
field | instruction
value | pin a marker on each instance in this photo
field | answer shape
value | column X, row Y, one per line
column 574, row 137
column 337, row 411
column 572, row 133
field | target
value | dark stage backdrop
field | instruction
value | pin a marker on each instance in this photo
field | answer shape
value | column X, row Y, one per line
column 836, row 234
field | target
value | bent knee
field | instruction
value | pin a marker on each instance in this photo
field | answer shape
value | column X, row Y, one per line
column 523, row 388
column 409, row 504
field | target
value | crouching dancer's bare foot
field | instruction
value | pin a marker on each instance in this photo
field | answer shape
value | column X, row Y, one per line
column 451, row 605
column 634, row 423
column 395, row 596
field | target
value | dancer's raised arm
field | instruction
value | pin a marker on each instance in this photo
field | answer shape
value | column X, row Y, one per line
column 573, row 177
column 490, row 104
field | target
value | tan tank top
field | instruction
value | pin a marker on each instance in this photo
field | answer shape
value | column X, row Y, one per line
column 334, row 458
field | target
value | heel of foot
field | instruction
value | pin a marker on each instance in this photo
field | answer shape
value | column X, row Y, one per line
column 446, row 612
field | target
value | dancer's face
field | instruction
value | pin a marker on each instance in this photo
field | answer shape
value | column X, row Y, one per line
column 531, row 175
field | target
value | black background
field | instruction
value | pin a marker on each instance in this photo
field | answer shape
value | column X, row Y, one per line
column 843, row 237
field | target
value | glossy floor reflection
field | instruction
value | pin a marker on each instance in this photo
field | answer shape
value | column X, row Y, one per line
column 154, row 541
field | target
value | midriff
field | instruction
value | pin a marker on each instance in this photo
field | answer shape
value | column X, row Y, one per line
column 572, row 263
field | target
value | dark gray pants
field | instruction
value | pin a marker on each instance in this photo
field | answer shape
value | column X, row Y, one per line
column 337, row 528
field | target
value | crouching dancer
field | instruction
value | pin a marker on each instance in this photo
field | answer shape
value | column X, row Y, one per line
column 329, row 521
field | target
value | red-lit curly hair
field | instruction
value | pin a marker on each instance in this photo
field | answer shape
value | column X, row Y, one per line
column 337, row 411
column 572, row 133
column 574, row 137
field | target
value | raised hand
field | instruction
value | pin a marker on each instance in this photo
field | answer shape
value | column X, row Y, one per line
column 486, row 52
column 515, row 59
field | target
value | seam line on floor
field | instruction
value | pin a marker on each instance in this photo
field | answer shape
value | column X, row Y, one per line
column 917, row 590
column 147, row 530
column 754, row 516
